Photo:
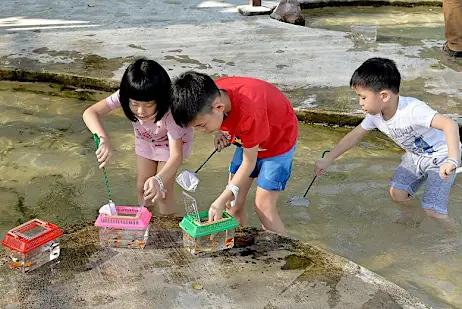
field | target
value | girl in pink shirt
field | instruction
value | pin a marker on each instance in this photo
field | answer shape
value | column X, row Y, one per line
column 160, row 144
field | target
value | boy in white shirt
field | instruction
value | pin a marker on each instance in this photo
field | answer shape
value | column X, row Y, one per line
column 431, row 140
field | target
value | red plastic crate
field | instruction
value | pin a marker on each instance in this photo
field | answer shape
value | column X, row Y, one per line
column 31, row 235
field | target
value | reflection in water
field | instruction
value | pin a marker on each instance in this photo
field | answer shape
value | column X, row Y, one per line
column 48, row 169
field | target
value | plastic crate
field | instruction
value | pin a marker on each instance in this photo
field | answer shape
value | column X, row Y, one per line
column 204, row 237
column 32, row 245
column 128, row 229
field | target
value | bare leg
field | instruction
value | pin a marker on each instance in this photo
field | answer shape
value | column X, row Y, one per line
column 266, row 208
column 413, row 214
column 145, row 168
column 446, row 223
column 238, row 211
column 167, row 206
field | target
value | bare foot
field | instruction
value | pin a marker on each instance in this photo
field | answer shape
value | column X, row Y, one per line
column 408, row 221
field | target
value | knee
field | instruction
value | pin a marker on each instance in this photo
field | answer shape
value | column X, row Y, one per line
column 265, row 205
column 140, row 185
column 399, row 195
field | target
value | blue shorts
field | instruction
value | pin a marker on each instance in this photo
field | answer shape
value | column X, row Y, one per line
column 273, row 173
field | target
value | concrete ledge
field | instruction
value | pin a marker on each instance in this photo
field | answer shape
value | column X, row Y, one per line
column 58, row 78
column 328, row 118
column 315, row 116
column 311, row 4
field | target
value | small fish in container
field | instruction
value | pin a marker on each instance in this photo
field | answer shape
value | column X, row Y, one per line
column 202, row 236
column 199, row 235
column 32, row 245
column 128, row 229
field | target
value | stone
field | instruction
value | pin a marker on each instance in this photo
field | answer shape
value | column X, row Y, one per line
column 289, row 11
column 248, row 10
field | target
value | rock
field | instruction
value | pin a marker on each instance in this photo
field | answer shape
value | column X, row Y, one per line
column 289, row 11
column 248, row 10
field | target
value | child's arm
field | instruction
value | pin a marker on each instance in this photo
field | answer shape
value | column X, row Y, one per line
column 91, row 117
column 152, row 186
column 249, row 159
column 345, row 144
column 451, row 132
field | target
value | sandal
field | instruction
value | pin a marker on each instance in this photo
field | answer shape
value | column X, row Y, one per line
column 451, row 52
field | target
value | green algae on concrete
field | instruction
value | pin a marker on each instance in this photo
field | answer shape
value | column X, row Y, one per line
column 82, row 64
column 72, row 80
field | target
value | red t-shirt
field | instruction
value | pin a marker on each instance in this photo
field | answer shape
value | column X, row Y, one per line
column 260, row 115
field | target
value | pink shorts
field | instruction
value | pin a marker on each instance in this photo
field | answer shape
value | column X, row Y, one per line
column 157, row 151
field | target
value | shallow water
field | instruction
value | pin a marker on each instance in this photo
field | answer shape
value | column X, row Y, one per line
column 417, row 23
column 48, row 170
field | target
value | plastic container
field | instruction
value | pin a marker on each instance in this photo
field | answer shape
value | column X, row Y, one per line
column 364, row 33
column 128, row 229
column 204, row 237
column 32, row 245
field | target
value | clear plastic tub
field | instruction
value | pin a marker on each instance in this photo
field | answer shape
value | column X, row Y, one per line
column 364, row 33
column 128, row 229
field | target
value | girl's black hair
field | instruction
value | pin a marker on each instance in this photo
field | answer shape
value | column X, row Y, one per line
column 145, row 80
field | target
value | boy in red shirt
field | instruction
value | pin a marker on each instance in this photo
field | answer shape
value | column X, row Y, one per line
column 254, row 114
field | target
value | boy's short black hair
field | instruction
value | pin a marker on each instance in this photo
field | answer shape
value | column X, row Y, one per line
column 377, row 74
column 145, row 80
column 192, row 94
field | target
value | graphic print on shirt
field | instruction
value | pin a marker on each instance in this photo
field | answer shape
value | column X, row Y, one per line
column 409, row 139
column 148, row 135
column 420, row 143
column 232, row 138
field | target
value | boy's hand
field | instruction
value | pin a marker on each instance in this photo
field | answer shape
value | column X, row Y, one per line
column 216, row 210
column 153, row 190
column 321, row 166
column 104, row 151
column 220, row 141
column 446, row 170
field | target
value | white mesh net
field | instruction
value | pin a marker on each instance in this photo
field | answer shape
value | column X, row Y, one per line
column 188, row 181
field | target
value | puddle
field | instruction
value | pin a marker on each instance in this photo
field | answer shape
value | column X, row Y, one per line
column 48, row 169
column 415, row 23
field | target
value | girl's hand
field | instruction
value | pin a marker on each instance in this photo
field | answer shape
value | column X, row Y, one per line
column 104, row 151
column 154, row 189
column 220, row 141
column 446, row 170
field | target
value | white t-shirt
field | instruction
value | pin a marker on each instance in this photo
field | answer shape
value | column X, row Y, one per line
column 410, row 128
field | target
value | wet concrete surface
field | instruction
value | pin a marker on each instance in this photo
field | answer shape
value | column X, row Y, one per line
column 264, row 270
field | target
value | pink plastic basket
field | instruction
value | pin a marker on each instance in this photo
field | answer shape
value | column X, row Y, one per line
column 128, row 217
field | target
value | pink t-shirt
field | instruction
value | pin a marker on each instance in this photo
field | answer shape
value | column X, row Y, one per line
column 158, row 133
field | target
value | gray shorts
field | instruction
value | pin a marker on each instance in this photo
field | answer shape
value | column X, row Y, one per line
column 414, row 170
